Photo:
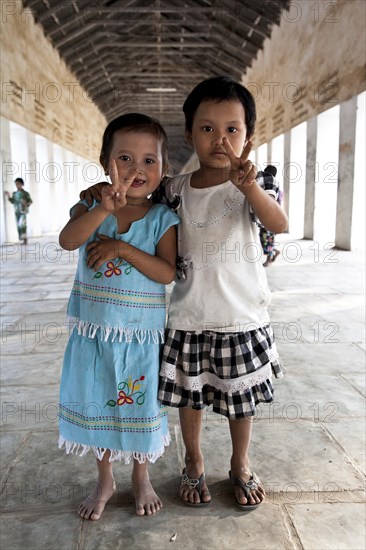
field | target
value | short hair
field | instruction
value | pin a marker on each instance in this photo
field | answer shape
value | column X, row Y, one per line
column 271, row 170
column 133, row 122
column 19, row 180
column 219, row 89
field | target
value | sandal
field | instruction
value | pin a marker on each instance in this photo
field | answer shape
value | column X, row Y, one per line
column 194, row 484
column 247, row 487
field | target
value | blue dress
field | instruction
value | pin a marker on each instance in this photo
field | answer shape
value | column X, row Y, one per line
column 109, row 383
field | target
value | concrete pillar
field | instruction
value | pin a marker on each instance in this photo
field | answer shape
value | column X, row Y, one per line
column 269, row 152
column 286, row 172
column 347, row 139
column 33, row 182
column 61, row 186
column 52, row 178
column 8, row 226
column 256, row 158
column 310, row 177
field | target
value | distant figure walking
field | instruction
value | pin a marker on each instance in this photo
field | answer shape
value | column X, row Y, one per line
column 21, row 200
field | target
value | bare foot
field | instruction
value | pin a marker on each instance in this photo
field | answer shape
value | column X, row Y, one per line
column 147, row 501
column 256, row 494
column 189, row 494
column 93, row 506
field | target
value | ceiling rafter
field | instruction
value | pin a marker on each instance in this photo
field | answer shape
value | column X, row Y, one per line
column 118, row 49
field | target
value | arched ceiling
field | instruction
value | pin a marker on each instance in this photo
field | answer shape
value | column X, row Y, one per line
column 147, row 55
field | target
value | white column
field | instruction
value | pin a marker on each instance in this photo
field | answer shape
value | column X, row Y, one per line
column 51, row 177
column 286, row 172
column 347, row 139
column 33, row 183
column 359, row 192
column 8, row 226
column 269, row 152
column 310, row 177
column 44, row 201
column 60, row 187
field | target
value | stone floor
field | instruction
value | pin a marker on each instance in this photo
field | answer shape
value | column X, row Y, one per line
column 307, row 447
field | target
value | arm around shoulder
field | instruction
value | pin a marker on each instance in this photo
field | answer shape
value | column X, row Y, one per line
column 93, row 193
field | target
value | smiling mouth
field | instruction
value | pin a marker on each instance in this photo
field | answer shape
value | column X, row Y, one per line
column 137, row 183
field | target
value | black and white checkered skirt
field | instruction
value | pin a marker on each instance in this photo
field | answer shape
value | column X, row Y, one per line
column 230, row 371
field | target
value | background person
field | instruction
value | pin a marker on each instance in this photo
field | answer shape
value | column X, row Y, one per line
column 267, row 238
column 21, row 200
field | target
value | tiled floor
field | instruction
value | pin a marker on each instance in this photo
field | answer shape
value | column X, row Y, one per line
column 308, row 447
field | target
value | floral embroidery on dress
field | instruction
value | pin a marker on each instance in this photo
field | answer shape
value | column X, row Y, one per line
column 114, row 269
column 127, row 389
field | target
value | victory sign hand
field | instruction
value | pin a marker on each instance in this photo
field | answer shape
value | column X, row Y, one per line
column 114, row 196
column 242, row 171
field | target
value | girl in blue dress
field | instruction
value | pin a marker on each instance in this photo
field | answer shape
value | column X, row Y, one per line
column 109, row 384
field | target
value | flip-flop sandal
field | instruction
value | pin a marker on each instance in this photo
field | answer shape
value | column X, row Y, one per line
column 247, row 487
column 194, row 484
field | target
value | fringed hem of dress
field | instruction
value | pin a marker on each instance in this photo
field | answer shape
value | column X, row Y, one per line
column 79, row 449
column 116, row 334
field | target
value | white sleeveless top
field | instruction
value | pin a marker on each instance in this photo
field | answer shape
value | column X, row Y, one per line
column 226, row 288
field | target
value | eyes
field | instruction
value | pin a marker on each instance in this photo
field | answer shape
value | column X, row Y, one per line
column 230, row 129
column 127, row 158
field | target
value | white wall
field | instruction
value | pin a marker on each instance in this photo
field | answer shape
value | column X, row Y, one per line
column 326, row 175
column 359, row 200
column 54, row 182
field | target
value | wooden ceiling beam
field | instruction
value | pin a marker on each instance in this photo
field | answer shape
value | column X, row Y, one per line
column 118, row 49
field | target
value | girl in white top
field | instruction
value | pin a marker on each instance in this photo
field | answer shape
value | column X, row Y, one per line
column 219, row 347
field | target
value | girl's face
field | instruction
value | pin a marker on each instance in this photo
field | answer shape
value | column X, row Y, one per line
column 142, row 152
column 212, row 121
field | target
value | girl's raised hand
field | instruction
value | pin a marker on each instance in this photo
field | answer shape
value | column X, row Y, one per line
column 114, row 195
column 242, row 171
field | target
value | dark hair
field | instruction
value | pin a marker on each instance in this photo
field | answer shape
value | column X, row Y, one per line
column 271, row 170
column 133, row 122
column 220, row 88
column 19, row 180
